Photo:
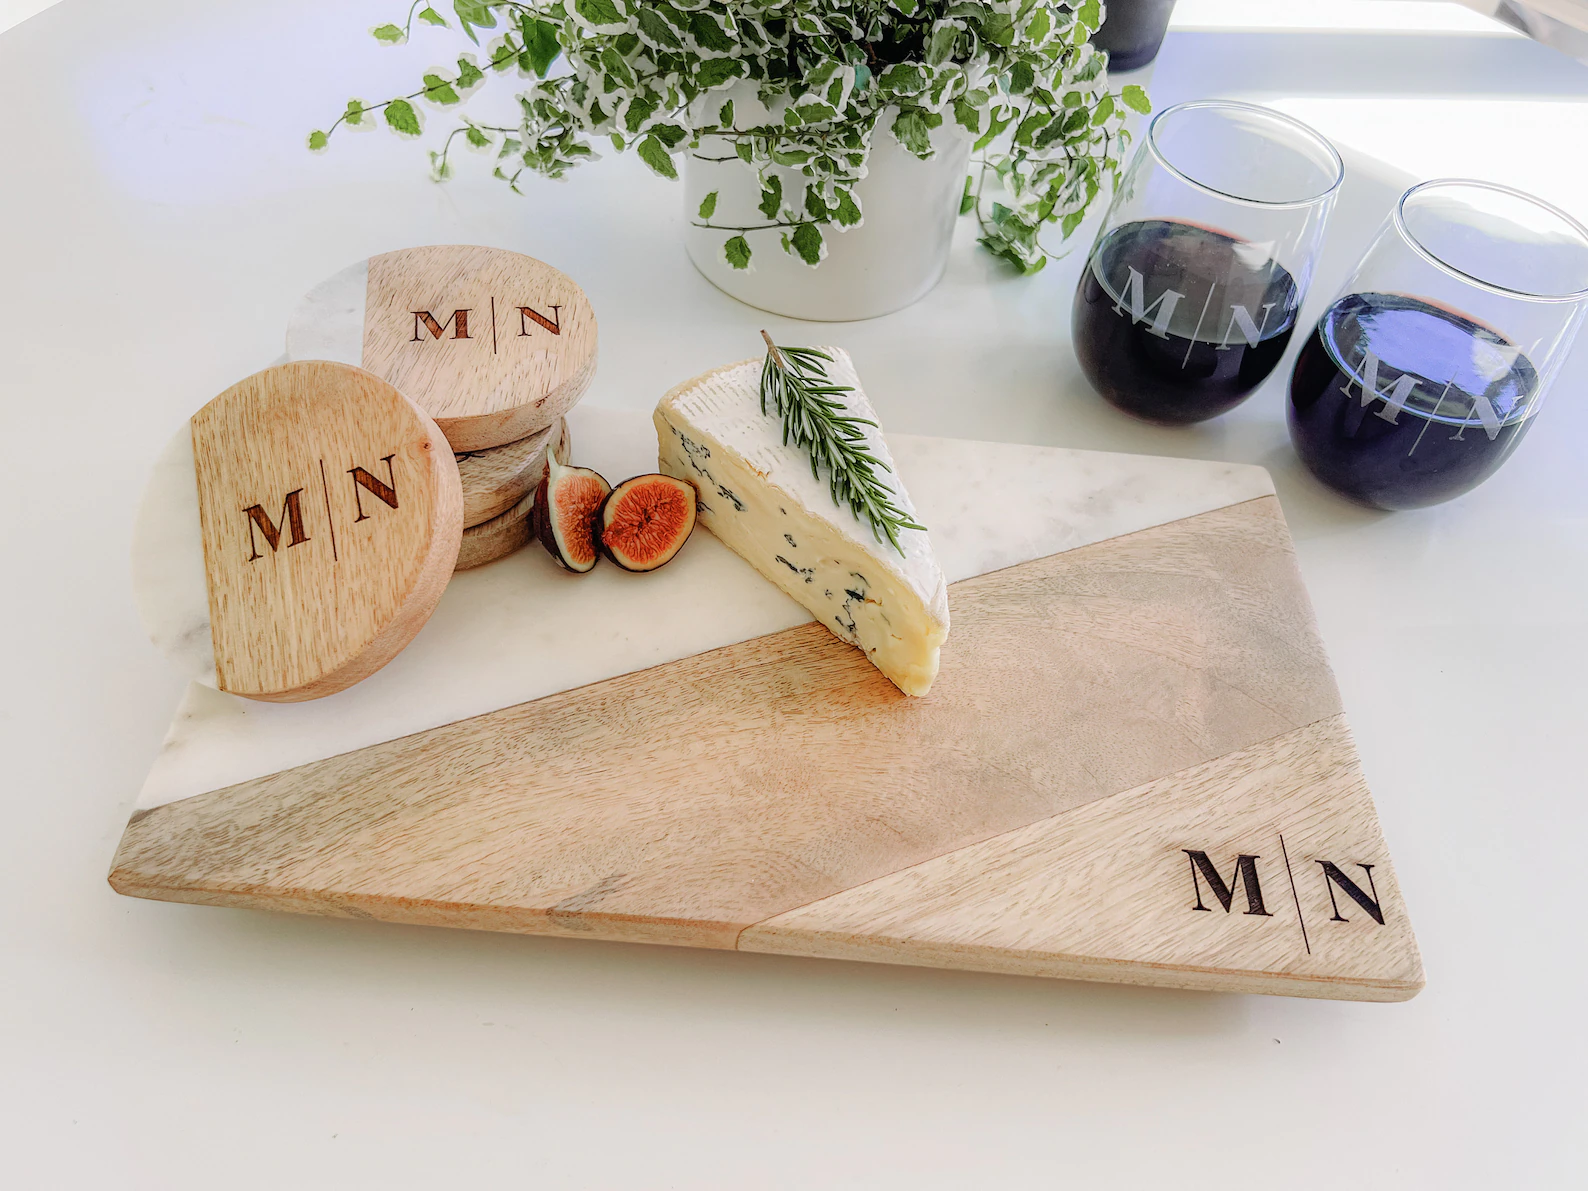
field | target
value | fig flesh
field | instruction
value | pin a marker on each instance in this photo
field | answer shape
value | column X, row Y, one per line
column 645, row 521
column 566, row 509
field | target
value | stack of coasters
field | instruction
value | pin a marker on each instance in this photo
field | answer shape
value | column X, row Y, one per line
column 499, row 488
column 493, row 345
column 298, row 533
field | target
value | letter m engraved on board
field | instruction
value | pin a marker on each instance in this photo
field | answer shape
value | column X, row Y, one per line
column 424, row 320
column 1334, row 877
column 528, row 313
column 1243, row 876
column 291, row 520
column 385, row 491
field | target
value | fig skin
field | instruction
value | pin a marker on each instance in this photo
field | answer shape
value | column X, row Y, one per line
column 545, row 517
column 680, row 497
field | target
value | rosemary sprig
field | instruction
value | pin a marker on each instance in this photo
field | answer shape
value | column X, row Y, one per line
column 796, row 385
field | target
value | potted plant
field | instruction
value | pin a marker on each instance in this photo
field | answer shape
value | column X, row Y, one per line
column 810, row 131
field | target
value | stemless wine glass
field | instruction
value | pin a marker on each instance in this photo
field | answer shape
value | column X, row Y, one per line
column 1191, row 291
column 1423, row 376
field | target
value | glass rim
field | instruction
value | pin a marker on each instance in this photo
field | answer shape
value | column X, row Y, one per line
column 1274, row 114
column 1398, row 217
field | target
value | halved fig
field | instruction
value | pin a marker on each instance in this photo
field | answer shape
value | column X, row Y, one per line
column 566, row 506
column 645, row 521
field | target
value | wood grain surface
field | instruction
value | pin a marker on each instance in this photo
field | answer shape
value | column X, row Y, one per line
column 331, row 514
column 497, row 478
column 1161, row 675
column 492, row 344
column 498, row 537
column 1112, row 890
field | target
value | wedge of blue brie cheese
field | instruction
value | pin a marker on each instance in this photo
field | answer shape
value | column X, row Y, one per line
column 759, row 497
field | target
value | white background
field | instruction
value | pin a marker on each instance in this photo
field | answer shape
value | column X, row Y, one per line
column 158, row 219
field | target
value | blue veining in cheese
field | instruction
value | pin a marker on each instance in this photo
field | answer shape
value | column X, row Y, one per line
column 759, row 496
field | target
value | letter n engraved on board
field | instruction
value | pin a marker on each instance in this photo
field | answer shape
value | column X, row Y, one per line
column 291, row 520
column 385, row 491
column 1242, row 876
column 424, row 320
column 552, row 324
column 1335, row 877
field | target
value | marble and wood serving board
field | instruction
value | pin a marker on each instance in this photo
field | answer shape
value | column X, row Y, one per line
column 1133, row 766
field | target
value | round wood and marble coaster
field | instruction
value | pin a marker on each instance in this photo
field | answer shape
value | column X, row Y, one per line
column 496, row 479
column 492, row 344
column 498, row 537
column 298, row 534
column 168, row 553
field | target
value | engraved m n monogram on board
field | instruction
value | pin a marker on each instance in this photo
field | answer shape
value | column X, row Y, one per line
column 1335, row 895
column 293, row 523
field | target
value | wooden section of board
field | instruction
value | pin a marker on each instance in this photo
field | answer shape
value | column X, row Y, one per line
column 497, row 478
column 1260, row 871
column 493, row 344
column 706, row 801
column 331, row 514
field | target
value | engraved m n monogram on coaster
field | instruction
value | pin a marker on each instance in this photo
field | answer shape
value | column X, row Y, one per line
column 331, row 513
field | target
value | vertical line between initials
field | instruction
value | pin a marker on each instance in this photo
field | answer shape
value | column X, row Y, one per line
column 493, row 324
column 325, row 490
column 1206, row 302
column 1296, row 897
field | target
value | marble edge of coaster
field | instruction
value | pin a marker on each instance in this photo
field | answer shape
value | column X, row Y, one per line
column 336, row 329
column 168, row 580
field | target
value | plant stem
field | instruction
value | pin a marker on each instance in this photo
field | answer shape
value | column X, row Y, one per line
column 505, row 56
column 759, row 227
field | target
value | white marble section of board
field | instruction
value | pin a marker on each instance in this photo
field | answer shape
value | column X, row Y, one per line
column 989, row 505
column 522, row 629
column 329, row 323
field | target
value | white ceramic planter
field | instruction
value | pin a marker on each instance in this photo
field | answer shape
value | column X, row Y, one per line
column 894, row 258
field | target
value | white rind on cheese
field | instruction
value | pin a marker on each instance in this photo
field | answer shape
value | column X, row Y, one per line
column 759, row 497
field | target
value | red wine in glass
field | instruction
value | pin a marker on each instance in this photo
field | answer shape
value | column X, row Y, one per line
column 1177, row 323
column 1400, row 403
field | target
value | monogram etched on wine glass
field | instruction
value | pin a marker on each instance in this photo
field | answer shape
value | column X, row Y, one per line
column 1191, row 290
column 1426, row 372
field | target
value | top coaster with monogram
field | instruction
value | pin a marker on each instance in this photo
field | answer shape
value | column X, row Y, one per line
column 330, row 511
column 494, row 345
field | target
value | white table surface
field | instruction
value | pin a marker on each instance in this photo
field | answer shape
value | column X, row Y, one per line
column 158, row 219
